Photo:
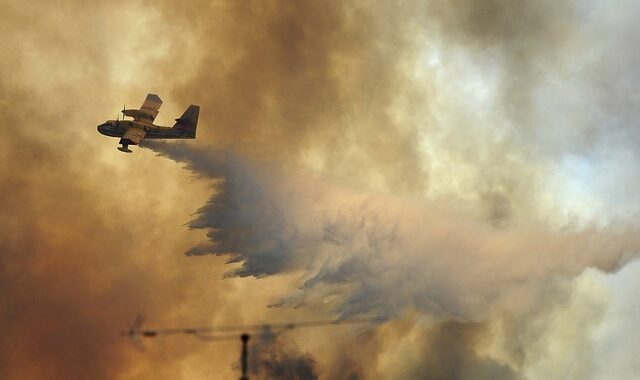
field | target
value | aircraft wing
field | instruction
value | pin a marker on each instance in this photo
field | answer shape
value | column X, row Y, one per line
column 149, row 110
column 134, row 134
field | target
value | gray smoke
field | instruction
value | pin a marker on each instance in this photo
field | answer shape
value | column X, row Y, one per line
column 274, row 357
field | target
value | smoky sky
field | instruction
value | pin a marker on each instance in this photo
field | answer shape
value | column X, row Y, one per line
column 272, row 357
column 412, row 347
column 295, row 78
column 459, row 167
column 381, row 245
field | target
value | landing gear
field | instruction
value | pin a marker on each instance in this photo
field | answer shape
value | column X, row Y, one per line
column 125, row 148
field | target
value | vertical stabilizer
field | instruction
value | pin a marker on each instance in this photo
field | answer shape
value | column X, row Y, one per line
column 188, row 122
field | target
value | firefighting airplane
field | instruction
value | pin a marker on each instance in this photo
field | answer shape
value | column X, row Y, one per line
column 131, row 132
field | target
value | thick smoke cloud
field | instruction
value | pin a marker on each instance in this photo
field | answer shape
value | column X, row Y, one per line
column 78, row 254
column 272, row 357
column 416, row 347
column 289, row 82
column 459, row 159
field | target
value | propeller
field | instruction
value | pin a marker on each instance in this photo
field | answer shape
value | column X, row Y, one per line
column 123, row 109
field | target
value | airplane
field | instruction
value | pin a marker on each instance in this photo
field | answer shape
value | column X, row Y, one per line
column 131, row 132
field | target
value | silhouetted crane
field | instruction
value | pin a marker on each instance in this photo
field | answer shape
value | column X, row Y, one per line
column 215, row 333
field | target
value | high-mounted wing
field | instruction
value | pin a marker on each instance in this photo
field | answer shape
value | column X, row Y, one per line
column 148, row 112
column 134, row 135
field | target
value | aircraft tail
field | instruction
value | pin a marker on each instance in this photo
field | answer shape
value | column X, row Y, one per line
column 188, row 122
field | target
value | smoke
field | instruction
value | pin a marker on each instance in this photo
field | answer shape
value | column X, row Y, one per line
column 273, row 357
column 447, row 350
column 288, row 82
column 77, row 254
column 461, row 159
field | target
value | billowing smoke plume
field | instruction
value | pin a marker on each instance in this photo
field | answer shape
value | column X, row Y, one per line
column 272, row 357
column 413, row 348
column 289, row 82
column 459, row 160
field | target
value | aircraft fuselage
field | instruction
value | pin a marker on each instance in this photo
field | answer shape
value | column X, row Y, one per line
column 113, row 128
